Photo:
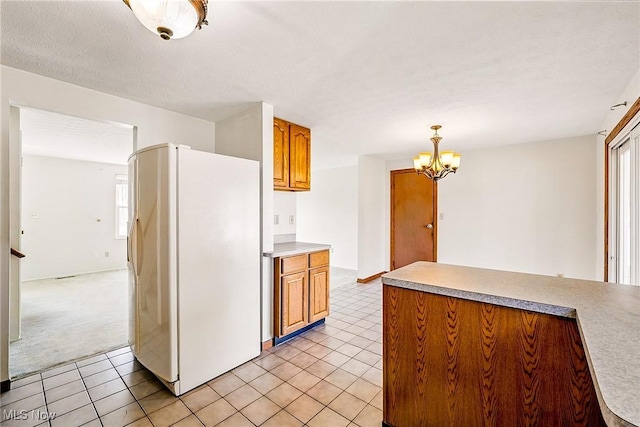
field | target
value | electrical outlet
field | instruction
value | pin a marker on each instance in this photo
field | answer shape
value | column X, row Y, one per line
column 106, row 254
column 441, row 216
column 95, row 254
column 276, row 219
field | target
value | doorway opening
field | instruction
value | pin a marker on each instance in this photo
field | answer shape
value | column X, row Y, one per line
column 70, row 296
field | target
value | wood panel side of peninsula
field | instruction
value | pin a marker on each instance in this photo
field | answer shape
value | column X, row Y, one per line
column 455, row 362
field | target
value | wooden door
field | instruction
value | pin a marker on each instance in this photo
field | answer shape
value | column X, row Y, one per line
column 294, row 302
column 300, row 157
column 413, row 218
column 280, row 153
column 318, row 293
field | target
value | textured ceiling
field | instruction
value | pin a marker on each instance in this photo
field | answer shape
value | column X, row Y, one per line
column 57, row 135
column 367, row 77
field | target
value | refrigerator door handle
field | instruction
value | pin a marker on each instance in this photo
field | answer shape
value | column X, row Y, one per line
column 132, row 242
column 138, row 252
column 129, row 238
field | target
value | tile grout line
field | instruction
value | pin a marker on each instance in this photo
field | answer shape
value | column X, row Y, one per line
column 351, row 310
column 87, row 390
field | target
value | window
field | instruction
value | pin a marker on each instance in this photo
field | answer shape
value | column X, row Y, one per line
column 121, row 206
column 624, row 249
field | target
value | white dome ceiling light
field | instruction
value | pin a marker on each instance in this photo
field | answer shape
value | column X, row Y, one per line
column 171, row 19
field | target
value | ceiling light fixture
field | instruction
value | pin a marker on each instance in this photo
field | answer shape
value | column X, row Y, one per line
column 171, row 19
column 437, row 165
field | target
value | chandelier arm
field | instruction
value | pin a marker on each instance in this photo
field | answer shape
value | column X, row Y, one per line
column 446, row 172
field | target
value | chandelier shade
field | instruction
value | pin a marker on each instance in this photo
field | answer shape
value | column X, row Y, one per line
column 436, row 165
column 171, row 19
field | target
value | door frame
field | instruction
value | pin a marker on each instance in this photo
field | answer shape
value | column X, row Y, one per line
column 13, row 304
column 15, row 222
column 393, row 173
column 622, row 128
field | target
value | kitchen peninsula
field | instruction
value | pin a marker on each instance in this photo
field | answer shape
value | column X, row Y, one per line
column 470, row 346
column 300, row 287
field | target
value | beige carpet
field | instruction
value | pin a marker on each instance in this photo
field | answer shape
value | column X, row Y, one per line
column 70, row 318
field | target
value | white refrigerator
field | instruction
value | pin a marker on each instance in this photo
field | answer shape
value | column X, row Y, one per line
column 194, row 263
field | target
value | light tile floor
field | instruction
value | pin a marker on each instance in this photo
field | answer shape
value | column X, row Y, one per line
column 329, row 376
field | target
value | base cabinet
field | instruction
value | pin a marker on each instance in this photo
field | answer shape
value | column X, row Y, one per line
column 295, row 302
column 301, row 294
column 454, row 362
column 318, row 293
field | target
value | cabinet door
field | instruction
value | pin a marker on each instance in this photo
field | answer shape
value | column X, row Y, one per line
column 300, row 157
column 280, row 153
column 318, row 293
column 294, row 296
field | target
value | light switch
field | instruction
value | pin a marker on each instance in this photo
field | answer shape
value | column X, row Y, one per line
column 291, row 221
column 441, row 216
column 276, row 219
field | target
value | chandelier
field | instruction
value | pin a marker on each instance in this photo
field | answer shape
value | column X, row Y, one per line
column 437, row 165
column 170, row 18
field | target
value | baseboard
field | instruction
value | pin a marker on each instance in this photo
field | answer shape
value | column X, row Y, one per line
column 267, row 344
column 371, row 278
column 280, row 340
column 5, row 386
column 73, row 274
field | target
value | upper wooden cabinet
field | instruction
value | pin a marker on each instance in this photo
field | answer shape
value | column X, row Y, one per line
column 299, row 157
column 291, row 156
column 280, row 154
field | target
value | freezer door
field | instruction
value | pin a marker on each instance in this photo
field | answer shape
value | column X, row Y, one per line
column 154, row 261
column 219, row 264
column 131, row 266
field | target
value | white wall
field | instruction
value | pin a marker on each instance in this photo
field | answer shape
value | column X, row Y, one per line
column 630, row 95
column 154, row 125
column 285, row 207
column 371, row 216
column 329, row 214
column 68, row 217
column 526, row 207
column 249, row 135
column 535, row 216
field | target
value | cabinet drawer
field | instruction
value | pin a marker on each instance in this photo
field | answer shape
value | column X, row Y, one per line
column 293, row 263
column 317, row 259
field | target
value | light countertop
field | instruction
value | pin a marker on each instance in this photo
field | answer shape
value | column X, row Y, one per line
column 608, row 317
column 295, row 248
